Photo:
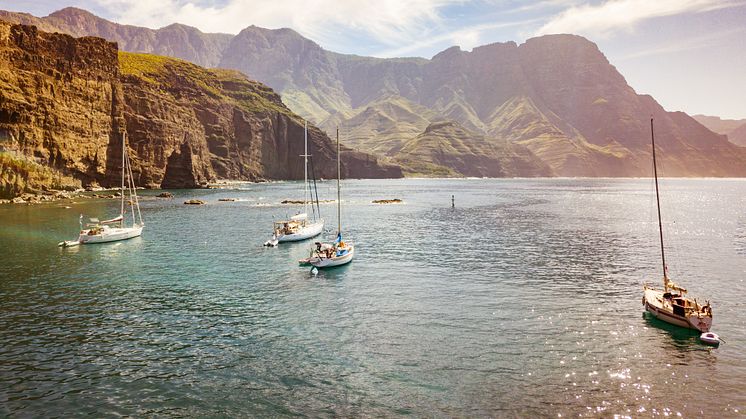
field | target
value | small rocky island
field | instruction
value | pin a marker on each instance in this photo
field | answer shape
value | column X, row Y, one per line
column 388, row 201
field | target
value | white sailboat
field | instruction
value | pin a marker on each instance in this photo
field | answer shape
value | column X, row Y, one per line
column 671, row 304
column 299, row 227
column 327, row 255
column 114, row 229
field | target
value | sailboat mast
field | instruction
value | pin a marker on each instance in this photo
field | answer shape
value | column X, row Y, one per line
column 121, row 210
column 339, row 199
column 305, row 168
column 658, row 201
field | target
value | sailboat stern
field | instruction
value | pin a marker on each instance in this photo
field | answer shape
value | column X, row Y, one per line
column 700, row 322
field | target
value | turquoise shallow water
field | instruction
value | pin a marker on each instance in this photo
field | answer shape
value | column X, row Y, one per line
column 523, row 300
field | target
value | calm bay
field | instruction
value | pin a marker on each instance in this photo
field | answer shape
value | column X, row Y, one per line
column 524, row 299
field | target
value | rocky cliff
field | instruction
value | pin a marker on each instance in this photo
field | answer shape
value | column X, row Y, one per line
column 734, row 129
column 60, row 105
column 738, row 136
column 190, row 125
column 64, row 103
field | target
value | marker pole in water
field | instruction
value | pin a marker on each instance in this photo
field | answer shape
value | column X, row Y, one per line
column 453, row 201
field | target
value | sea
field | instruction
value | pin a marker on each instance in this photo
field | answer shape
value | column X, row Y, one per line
column 471, row 298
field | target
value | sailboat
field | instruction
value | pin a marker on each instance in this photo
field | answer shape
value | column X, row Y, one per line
column 671, row 304
column 299, row 227
column 114, row 229
column 327, row 255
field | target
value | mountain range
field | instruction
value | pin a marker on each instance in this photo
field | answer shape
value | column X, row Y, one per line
column 553, row 105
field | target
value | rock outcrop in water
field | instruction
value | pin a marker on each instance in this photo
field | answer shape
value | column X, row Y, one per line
column 65, row 102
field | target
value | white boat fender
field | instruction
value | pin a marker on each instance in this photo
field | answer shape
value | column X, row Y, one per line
column 710, row 338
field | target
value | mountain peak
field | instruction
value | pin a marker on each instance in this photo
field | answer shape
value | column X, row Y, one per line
column 178, row 26
column 562, row 42
column 267, row 31
column 69, row 12
column 448, row 53
column 495, row 46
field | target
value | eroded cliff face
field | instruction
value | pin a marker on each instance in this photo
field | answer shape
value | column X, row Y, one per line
column 189, row 125
column 65, row 102
column 59, row 102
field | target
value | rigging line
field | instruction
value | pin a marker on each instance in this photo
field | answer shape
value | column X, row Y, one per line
column 670, row 228
column 316, row 190
column 121, row 210
column 657, row 197
column 306, row 186
column 310, row 190
column 339, row 199
column 133, row 191
column 130, row 184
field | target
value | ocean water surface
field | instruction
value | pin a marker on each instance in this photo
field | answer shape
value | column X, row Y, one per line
column 524, row 299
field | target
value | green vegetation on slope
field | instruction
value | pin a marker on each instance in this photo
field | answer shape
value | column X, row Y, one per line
column 144, row 66
column 230, row 86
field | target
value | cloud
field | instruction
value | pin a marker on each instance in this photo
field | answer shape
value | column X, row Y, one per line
column 613, row 15
column 391, row 22
column 679, row 45
column 466, row 38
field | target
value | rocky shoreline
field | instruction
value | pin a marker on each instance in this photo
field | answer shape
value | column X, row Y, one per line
column 53, row 196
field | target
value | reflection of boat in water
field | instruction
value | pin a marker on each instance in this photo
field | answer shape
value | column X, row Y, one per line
column 327, row 255
column 299, row 227
column 671, row 304
column 115, row 229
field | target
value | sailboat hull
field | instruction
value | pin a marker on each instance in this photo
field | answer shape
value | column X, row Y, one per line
column 308, row 231
column 320, row 262
column 110, row 235
column 661, row 308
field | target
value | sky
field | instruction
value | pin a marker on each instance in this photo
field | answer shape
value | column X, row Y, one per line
column 690, row 55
